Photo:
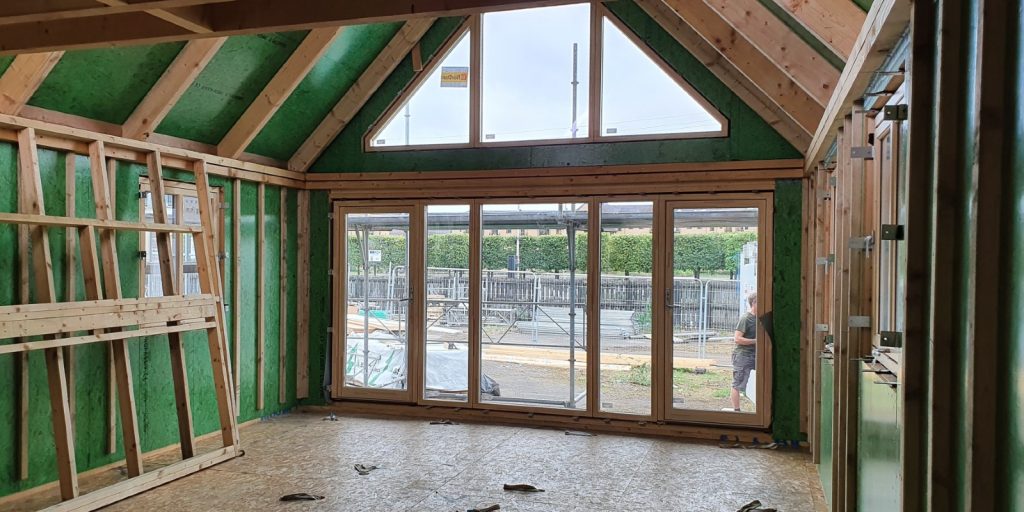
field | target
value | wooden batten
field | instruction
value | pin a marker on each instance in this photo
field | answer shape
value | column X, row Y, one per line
column 302, row 299
column 70, row 271
column 236, row 288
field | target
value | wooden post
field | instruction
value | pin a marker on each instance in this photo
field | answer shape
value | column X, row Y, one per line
column 282, row 342
column 260, row 287
column 122, row 368
column 209, row 280
column 111, row 373
column 841, row 274
column 31, row 194
column 24, row 241
column 236, row 287
column 302, row 300
column 69, row 273
column 169, row 278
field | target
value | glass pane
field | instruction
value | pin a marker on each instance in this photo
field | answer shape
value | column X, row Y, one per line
column 715, row 335
column 639, row 98
column 626, row 264
column 534, row 304
column 154, row 285
column 535, row 73
column 377, row 300
column 190, row 210
column 447, row 330
column 438, row 112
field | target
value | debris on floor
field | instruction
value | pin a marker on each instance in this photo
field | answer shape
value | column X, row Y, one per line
column 755, row 506
column 443, row 422
column 578, row 433
column 522, row 488
column 301, row 496
column 491, row 508
column 725, row 442
column 332, row 417
column 364, row 470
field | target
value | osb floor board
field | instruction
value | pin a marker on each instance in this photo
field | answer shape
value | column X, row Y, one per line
column 454, row 468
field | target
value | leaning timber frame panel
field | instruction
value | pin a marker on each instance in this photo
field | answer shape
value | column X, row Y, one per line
column 105, row 317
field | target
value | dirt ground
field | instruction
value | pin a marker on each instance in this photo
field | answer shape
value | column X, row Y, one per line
column 622, row 390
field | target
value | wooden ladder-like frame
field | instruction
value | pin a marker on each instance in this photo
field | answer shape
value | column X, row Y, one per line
column 106, row 315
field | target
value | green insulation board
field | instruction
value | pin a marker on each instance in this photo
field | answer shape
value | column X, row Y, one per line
column 150, row 356
column 788, row 223
column 5, row 62
column 228, row 85
column 878, row 446
column 805, row 35
column 1011, row 371
column 319, row 291
column 828, row 376
column 104, row 84
column 343, row 63
column 750, row 137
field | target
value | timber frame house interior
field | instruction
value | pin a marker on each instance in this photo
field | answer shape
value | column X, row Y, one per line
column 454, row 226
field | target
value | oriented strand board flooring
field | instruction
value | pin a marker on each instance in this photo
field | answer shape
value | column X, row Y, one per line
column 454, row 468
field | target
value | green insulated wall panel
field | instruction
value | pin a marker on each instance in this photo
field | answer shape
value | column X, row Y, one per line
column 5, row 62
column 878, row 446
column 105, row 84
column 149, row 356
column 228, row 84
column 319, row 291
column 352, row 52
column 750, row 138
column 825, row 432
column 786, row 307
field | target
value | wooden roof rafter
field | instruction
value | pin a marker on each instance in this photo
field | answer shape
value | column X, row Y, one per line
column 277, row 91
column 23, row 78
column 836, row 23
column 360, row 92
column 193, row 18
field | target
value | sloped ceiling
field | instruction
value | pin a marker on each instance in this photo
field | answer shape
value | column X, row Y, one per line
column 107, row 85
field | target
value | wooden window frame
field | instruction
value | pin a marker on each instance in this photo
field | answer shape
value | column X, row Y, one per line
column 473, row 24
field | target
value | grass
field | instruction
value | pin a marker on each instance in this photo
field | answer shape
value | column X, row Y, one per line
column 711, row 384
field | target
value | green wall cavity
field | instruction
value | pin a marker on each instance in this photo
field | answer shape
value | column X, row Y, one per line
column 750, row 138
column 228, row 85
column 5, row 62
column 788, row 223
column 343, row 63
column 149, row 356
column 105, row 84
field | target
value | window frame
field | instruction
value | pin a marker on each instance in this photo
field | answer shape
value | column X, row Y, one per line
column 473, row 24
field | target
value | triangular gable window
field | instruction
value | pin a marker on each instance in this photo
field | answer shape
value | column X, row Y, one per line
column 638, row 96
column 437, row 112
column 534, row 85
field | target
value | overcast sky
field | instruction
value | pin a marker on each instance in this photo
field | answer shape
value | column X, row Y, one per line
column 527, row 85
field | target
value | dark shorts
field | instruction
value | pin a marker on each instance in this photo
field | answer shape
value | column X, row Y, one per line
column 742, row 363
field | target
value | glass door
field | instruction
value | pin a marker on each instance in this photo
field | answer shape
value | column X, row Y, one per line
column 373, row 303
column 717, row 310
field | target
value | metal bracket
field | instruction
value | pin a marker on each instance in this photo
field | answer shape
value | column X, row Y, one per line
column 142, row 254
column 824, row 195
column 895, row 112
column 143, row 195
column 330, row 215
column 224, row 206
column 862, row 152
column 860, row 322
column 222, row 256
column 862, row 243
column 820, row 327
column 891, row 339
column 832, row 180
column 892, row 232
column 825, row 260
column 330, row 271
column 330, row 330
column 829, row 339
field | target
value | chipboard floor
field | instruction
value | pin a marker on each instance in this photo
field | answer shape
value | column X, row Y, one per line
column 444, row 468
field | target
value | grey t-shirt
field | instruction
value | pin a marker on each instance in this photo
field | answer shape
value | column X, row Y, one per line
column 748, row 326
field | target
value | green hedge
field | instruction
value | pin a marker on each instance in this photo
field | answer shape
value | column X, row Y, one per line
column 621, row 253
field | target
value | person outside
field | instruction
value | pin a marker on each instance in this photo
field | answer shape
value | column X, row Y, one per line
column 744, row 355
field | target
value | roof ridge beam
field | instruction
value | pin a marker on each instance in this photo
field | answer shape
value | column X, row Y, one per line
column 836, row 23
column 24, row 76
column 277, row 91
column 360, row 92
column 177, row 78
column 758, row 68
column 780, row 44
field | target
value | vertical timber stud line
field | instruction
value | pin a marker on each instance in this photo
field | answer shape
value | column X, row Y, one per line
column 282, row 342
column 24, row 240
column 209, row 282
column 236, row 292
column 168, row 277
column 260, row 286
column 302, row 299
column 112, row 290
column 31, row 190
column 111, row 374
column 69, row 273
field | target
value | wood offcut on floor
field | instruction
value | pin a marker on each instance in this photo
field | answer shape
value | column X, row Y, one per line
column 444, row 468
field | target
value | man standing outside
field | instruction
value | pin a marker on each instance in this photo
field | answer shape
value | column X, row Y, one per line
column 744, row 356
